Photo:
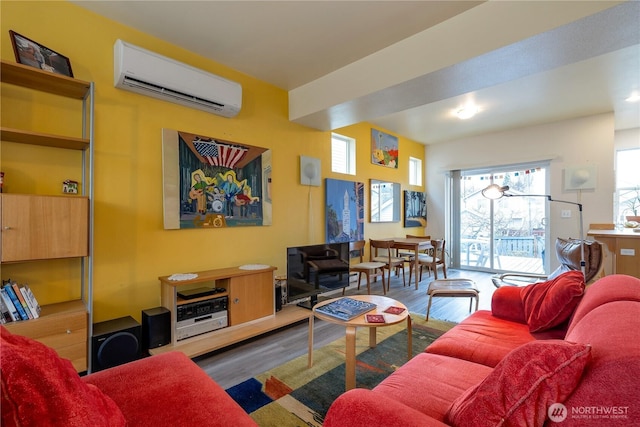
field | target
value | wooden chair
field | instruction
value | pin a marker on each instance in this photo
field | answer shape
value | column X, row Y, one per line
column 404, row 254
column 369, row 269
column 409, row 257
column 383, row 251
column 434, row 259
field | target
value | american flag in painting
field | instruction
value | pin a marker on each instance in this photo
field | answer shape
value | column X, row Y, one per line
column 219, row 154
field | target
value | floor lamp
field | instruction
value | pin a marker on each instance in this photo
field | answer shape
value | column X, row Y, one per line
column 494, row 192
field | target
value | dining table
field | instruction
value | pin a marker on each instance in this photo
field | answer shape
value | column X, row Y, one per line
column 414, row 244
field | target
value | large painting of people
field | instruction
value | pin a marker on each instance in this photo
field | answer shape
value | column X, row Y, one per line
column 344, row 210
column 213, row 183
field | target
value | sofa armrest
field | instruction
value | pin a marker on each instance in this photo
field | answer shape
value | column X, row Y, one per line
column 506, row 303
column 169, row 389
column 365, row 408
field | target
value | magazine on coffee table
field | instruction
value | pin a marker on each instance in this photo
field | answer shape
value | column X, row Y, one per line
column 394, row 310
column 346, row 308
column 375, row 318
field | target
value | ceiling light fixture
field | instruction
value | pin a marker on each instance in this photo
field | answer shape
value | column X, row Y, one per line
column 635, row 97
column 467, row 112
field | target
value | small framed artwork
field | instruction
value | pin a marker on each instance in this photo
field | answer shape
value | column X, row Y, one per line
column 32, row 53
column 70, row 187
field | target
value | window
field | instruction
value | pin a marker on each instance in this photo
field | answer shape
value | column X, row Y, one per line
column 343, row 154
column 627, row 184
column 415, row 171
column 509, row 234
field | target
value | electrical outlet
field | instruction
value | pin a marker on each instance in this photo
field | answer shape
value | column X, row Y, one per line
column 566, row 213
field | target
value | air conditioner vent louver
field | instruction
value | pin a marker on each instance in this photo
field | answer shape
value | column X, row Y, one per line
column 130, row 81
column 147, row 73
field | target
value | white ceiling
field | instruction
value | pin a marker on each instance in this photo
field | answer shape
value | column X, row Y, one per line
column 406, row 65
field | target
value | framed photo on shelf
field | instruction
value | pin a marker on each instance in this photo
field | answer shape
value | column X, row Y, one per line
column 32, row 53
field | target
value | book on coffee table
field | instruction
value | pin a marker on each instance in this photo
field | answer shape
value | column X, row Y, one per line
column 346, row 308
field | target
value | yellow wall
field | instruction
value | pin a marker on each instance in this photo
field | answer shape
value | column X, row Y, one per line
column 131, row 248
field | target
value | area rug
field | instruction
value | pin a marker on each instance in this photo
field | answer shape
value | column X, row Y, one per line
column 294, row 395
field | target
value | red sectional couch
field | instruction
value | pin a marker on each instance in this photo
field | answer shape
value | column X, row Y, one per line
column 581, row 366
column 39, row 388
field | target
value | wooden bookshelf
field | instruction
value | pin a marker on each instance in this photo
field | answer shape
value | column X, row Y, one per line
column 37, row 226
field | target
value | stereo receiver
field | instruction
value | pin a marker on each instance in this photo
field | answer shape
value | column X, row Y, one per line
column 200, row 308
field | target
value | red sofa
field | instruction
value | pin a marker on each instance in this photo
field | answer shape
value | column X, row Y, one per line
column 579, row 367
column 39, row 388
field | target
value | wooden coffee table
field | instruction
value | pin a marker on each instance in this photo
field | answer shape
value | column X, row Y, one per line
column 382, row 304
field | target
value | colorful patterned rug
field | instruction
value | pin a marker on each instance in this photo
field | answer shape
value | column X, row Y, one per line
column 294, row 395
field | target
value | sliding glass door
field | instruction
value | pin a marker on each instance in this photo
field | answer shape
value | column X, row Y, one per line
column 508, row 234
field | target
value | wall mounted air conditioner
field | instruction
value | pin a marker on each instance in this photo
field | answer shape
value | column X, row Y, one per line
column 145, row 72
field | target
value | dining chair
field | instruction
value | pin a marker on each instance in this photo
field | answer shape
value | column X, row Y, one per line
column 383, row 251
column 403, row 253
column 436, row 258
column 409, row 256
column 368, row 269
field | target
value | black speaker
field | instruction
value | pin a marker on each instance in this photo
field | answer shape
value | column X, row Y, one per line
column 156, row 327
column 278, row 297
column 115, row 342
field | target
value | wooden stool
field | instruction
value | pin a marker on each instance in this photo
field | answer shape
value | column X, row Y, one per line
column 452, row 288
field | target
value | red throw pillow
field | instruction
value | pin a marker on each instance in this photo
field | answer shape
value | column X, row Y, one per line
column 523, row 386
column 40, row 388
column 549, row 304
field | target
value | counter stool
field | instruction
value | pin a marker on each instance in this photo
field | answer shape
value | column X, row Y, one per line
column 453, row 288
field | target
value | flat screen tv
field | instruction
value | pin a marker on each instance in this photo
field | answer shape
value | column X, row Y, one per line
column 315, row 269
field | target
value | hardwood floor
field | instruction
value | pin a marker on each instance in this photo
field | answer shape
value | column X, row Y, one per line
column 237, row 363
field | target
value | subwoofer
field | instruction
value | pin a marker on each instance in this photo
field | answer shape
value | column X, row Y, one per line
column 156, row 328
column 115, row 342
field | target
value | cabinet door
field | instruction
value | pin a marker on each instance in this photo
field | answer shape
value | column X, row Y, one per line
column 43, row 227
column 251, row 297
column 628, row 256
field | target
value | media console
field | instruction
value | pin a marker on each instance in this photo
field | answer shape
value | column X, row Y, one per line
column 247, row 306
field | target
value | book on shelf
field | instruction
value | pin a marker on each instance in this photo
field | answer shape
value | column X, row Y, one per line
column 16, row 302
column 31, row 300
column 375, row 318
column 5, row 317
column 346, row 308
column 394, row 310
column 11, row 309
column 23, row 302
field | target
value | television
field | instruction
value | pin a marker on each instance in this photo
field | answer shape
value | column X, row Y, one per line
column 315, row 269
